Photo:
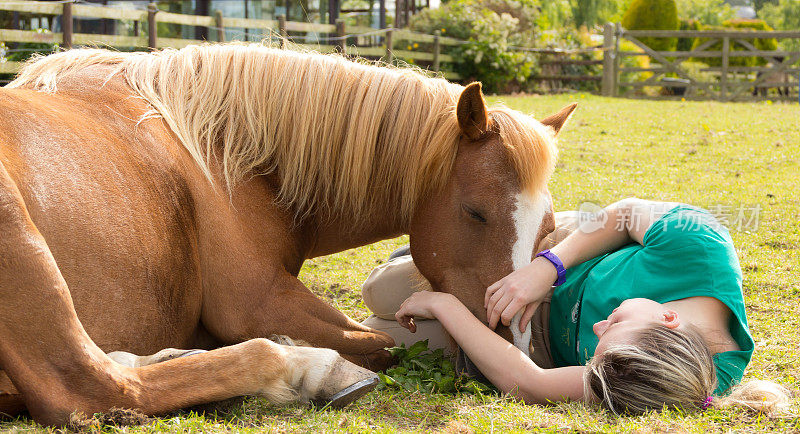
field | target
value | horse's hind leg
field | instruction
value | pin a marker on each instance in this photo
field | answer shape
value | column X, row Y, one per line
column 58, row 369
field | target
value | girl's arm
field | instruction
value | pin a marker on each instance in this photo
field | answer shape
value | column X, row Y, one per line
column 502, row 363
column 618, row 224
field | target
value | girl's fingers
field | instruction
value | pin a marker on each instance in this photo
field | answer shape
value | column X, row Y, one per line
column 526, row 316
column 497, row 296
column 498, row 309
column 490, row 291
column 401, row 316
column 405, row 321
column 515, row 306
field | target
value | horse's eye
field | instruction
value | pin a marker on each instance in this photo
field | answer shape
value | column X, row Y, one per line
column 474, row 214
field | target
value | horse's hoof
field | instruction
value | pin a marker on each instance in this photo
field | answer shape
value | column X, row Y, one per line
column 377, row 361
column 349, row 394
column 345, row 383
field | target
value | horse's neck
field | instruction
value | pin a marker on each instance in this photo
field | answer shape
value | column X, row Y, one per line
column 335, row 235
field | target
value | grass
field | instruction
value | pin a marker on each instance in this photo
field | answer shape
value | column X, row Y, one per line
column 727, row 157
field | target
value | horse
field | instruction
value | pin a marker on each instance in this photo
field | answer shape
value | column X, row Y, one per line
column 169, row 199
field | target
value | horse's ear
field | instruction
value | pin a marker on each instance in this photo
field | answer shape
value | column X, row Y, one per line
column 471, row 111
column 556, row 121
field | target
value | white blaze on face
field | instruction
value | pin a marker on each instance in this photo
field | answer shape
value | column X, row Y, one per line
column 528, row 217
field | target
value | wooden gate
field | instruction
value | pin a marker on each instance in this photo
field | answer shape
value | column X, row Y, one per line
column 670, row 77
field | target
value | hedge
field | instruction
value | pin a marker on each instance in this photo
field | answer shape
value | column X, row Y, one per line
column 653, row 15
column 763, row 44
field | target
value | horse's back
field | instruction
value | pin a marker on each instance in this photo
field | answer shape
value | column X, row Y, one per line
column 111, row 198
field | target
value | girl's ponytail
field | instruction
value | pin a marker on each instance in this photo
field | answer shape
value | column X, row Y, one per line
column 762, row 396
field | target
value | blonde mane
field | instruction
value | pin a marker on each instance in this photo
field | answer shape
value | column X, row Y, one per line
column 344, row 138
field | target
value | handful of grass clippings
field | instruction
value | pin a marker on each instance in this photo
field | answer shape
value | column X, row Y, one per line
column 429, row 371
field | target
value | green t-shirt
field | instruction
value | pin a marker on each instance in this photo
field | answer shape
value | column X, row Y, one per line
column 686, row 253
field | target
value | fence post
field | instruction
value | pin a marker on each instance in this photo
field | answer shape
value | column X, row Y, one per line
column 389, row 46
column 282, row 29
column 608, row 60
column 220, row 27
column 723, row 79
column 66, row 25
column 152, row 27
column 341, row 42
column 437, row 47
column 382, row 14
column 615, row 71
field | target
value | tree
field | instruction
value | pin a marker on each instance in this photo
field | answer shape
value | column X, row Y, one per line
column 758, row 4
column 593, row 12
column 708, row 12
column 653, row 15
column 783, row 15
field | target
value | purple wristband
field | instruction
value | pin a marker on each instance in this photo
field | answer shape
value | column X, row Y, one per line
column 560, row 270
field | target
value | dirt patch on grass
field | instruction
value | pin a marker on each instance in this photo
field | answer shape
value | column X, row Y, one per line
column 79, row 422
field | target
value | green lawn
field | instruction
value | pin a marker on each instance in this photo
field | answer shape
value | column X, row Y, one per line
column 729, row 157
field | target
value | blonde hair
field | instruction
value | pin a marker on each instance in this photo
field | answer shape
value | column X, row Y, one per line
column 343, row 137
column 671, row 368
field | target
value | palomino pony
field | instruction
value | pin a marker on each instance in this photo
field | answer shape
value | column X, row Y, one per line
column 169, row 199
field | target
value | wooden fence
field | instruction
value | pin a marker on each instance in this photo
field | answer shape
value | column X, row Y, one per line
column 564, row 70
column 387, row 44
column 666, row 75
column 669, row 74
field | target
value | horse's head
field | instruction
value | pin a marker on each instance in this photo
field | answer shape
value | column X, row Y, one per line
column 495, row 208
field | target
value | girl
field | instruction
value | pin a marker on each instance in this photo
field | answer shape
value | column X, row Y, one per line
column 641, row 307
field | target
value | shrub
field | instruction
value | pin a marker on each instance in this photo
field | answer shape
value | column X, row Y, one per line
column 491, row 28
column 686, row 44
column 767, row 44
column 653, row 15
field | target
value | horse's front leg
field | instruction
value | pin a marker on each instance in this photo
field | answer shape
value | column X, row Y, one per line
column 288, row 308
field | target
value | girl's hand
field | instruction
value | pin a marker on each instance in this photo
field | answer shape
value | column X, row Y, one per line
column 422, row 304
column 525, row 288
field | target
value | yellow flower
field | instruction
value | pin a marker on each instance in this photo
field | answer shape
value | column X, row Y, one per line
column 408, row 47
column 443, row 30
column 416, row 45
column 683, row 99
column 769, row 101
